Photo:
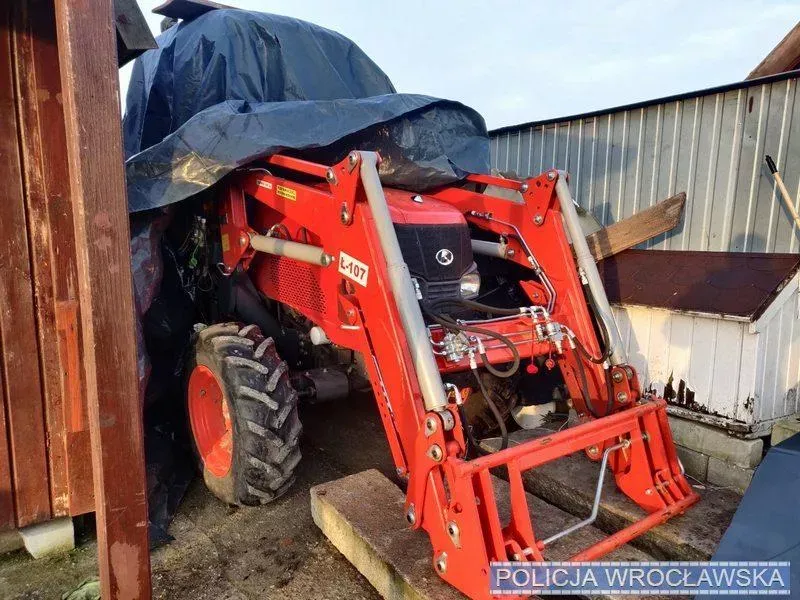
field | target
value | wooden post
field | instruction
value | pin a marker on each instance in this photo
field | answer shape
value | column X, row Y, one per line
column 19, row 364
column 90, row 88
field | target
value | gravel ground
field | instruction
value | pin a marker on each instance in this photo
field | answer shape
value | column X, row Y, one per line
column 223, row 553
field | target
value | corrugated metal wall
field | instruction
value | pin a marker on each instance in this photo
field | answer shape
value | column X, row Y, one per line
column 710, row 145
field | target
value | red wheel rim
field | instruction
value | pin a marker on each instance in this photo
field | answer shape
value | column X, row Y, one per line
column 211, row 421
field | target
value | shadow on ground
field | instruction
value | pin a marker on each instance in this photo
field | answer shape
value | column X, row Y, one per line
column 222, row 553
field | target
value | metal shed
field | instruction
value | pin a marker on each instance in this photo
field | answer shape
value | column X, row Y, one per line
column 740, row 369
column 710, row 144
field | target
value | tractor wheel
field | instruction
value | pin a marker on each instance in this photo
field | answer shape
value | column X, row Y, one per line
column 243, row 414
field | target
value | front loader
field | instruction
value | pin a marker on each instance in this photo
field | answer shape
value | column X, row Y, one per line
column 324, row 281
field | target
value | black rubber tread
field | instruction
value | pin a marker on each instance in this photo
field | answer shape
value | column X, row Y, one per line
column 263, row 409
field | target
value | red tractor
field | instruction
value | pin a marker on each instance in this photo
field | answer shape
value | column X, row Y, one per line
column 435, row 299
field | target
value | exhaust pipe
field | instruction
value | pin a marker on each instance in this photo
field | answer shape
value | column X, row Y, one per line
column 430, row 381
column 588, row 268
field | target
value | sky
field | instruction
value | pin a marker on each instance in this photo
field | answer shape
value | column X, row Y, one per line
column 519, row 61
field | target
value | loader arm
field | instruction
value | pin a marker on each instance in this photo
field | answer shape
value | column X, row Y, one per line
column 321, row 245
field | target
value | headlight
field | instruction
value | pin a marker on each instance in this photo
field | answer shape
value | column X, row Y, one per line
column 470, row 285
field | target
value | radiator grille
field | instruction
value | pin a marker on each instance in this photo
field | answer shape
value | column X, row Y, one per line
column 293, row 282
column 420, row 243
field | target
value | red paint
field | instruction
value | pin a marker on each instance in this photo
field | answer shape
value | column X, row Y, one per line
column 211, row 421
column 364, row 318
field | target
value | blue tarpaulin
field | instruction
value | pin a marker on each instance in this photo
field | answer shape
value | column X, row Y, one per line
column 231, row 86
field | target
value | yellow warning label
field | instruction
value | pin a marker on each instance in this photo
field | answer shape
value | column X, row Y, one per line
column 226, row 243
column 285, row 192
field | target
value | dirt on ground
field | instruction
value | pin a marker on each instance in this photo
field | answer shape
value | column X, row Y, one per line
column 220, row 552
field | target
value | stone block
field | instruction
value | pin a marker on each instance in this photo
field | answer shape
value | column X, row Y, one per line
column 694, row 463
column 716, row 442
column 51, row 537
column 785, row 428
column 724, row 474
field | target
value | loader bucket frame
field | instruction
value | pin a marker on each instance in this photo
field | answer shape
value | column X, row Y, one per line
column 341, row 276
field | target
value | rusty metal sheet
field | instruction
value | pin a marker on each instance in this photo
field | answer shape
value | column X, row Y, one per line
column 740, row 284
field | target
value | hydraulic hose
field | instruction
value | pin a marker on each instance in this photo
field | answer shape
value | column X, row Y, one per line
column 495, row 412
column 451, row 324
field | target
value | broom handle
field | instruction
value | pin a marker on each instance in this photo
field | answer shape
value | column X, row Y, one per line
column 787, row 199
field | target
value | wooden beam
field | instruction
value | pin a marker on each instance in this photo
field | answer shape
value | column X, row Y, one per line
column 19, row 347
column 783, row 57
column 639, row 228
column 133, row 33
column 90, row 87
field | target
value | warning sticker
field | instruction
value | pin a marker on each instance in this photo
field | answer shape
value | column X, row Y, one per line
column 285, row 192
column 267, row 185
column 353, row 268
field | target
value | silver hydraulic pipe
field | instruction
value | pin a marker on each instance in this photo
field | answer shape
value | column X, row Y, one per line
column 489, row 248
column 588, row 270
column 430, row 381
column 280, row 247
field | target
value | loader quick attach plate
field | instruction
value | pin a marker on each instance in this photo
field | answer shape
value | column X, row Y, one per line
column 467, row 532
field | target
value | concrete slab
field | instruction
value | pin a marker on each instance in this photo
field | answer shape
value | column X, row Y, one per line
column 51, row 537
column 569, row 484
column 362, row 516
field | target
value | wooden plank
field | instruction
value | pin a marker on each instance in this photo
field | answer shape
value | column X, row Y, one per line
column 133, row 33
column 7, row 520
column 36, row 62
column 90, row 87
column 638, row 228
column 20, row 365
column 783, row 57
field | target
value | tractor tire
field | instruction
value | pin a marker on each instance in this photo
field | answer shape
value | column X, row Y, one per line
column 243, row 414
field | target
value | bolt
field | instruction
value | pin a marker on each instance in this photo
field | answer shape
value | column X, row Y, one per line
column 593, row 450
column 648, row 492
column 330, row 176
column 629, row 372
column 352, row 158
column 616, row 376
column 411, row 514
column 452, row 528
column 622, row 397
column 344, row 215
column 551, row 175
column 516, row 556
column 430, row 426
column 243, row 240
column 538, row 219
column 435, row 452
column 202, row 392
column 510, row 253
column 417, row 199
column 441, row 562
column 524, row 187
